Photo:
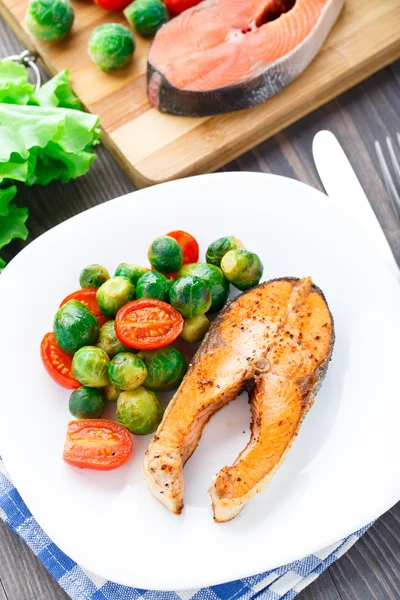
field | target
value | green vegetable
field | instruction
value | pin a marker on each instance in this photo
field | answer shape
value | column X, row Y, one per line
column 146, row 16
column 12, row 219
column 40, row 141
column 139, row 411
column 213, row 277
column 242, row 268
column 57, row 92
column 113, row 294
column 191, row 296
column 166, row 368
column 86, row 403
column 75, row 326
column 165, row 254
column 126, row 371
column 111, row 46
column 93, row 276
column 110, row 392
column 109, row 342
column 49, row 19
column 195, row 328
column 217, row 249
column 132, row 272
column 152, row 285
column 14, row 85
column 90, row 366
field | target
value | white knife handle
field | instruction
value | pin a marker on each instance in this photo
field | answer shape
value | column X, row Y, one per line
column 342, row 186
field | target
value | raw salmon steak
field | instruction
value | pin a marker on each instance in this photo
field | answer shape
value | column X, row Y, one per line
column 224, row 55
column 275, row 341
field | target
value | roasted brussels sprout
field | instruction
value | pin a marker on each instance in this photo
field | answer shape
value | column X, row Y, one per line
column 191, row 296
column 110, row 392
column 132, row 272
column 90, row 366
column 109, row 342
column 153, row 285
column 165, row 254
column 86, row 403
column 75, row 326
column 214, row 278
column 217, row 249
column 113, row 294
column 166, row 368
column 126, row 371
column 93, row 276
column 146, row 16
column 111, row 46
column 195, row 328
column 49, row 19
column 139, row 411
column 242, row 268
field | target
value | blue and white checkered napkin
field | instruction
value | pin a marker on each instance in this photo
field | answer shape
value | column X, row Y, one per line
column 279, row 584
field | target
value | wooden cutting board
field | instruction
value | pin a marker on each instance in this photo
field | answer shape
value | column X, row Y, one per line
column 154, row 147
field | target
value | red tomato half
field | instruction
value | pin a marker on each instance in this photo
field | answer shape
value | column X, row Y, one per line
column 113, row 4
column 175, row 7
column 97, row 444
column 189, row 246
column 87, row 297
column 57, row 363
column 147, row 324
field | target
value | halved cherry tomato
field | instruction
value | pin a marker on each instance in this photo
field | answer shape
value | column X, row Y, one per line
column 97, row 444
column 87, row 297
column 189, row 246
column 113, row 4
column 147, row 324
column 175, row 7
column 57, row 363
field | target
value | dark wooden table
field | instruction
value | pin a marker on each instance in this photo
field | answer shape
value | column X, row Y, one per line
column 371, row 569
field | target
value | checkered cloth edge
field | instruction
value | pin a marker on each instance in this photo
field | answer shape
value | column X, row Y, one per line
column 283, row 583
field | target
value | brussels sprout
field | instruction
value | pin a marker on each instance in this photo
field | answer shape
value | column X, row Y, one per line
column 195, row 328
column 191, row 296
column 86, row 403
column 217, row 249
column 111, row 46
column 139, row 411
column 132, row 272
column 165, row 254
column 113, row 294
column 242, row 268
column 126, row 371
column 109, row 342
column 93, row 276
column 166, row 368
column 49, row 19
column 146, row 16
column 213, row 277
column 90, row 366
column 153, row 285
column 75, row 326
column 110, row 392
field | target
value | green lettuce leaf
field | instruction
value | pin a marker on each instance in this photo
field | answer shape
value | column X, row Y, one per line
column 14, row 85
column 50, row 143
column 58, row 92
column 12, row 220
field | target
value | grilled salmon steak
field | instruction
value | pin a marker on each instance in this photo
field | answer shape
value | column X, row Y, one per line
column 224, row 55
column 274, row 340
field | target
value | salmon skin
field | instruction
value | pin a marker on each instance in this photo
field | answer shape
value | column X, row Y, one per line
column 225, row 55
column 275, row 341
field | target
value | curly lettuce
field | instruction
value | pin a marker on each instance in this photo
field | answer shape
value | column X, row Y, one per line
column 44, row 136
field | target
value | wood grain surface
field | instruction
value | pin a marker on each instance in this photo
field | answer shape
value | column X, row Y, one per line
column 154, row 147
column 371, row 569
